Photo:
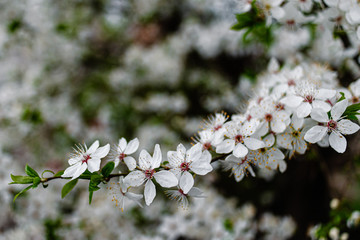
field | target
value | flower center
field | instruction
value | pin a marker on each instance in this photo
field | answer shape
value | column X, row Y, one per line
column 86, row 159
column 355, row 99
column 280, row 106
column 149, row 173
column 262, row 150
column 331, row 125
column 295, row 133
column 309, row 99
column 217, row 127
column 206, row 146
column 185, row 166
column 291, row 83
column 182, row 192
column 239, row 138
column 268, row 117
column 249, row 117
column 122, row 156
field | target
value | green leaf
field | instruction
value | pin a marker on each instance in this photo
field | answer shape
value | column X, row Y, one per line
column 107, row 169
column 90, row 196
column 68, row 187
column 59, row 173
column 21, row 179
column 21, row 192
column 30, row 172
column 36, row 182
column 342, row 97
column 45, row 171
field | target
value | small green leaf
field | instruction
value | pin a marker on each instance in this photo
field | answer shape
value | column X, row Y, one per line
column 59, row 173
column 21, row 192
column 68, row 187
column 342, row 97
column 45, row 171
column 107, row 169
column 90, row 196
column 21, row 179
column 36, row 182
column 30, row 172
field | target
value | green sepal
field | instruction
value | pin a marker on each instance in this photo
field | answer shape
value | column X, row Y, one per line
column 342, row 97
column 68, row 187
column 107, row 169
column 21, row 179
column 21, row 192
column 31, row 172
column 90, row 197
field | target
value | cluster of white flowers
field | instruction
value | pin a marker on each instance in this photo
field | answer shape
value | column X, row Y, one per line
column 293, row 106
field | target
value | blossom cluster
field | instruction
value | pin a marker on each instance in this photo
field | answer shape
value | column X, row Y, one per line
column 292, row 107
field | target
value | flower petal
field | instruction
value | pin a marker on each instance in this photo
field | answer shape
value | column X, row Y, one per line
column 79, row 170
column 303, row 110
column 292, row 101
column 253, row 143
column 93, row 147
column 69, row 172
column 94, row 164
column 240, row 150
column 201, row 167
column 149, row 192
column 325, row 94
column 186, row 182
column 196, row 192
column 166, row 179
column 144, row 160
column 315, row 134
column 130, row 163
column 319, row 115
column 337, row 142
column 346, row 127
column 122, row 144
column 135, row 178
column 101, row 151
column 132, row 146
column 157, row 157
column 338, row 109
column 226, row 146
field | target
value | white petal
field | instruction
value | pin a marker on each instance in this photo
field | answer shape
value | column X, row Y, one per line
column 101, row 151
column 346, row 127
column 166, row 178
column 269, row 140
column 253, row 143
column 321, row 104
column 69, row 172
column 315, row 134
column 282, row 166
column 205, row 156
column 186, row 182
column 157, row 157
column 135, row 178
column 122, row 144
column 277, row 12
column 319, row 115
column 325, row 94
column 174, row 159
column 74, row 160
column 132, row 146
column 201, row 167
column 303, row 110
column 80, row 170
column 196, row 192
column 240, row 150
column 144, row 160
column 284, row 140
column 337, row 142
column 194, row 152
column 94, row 164
column 277, row 126
column 93, row 147
column 338, row 109
column 292, row 101
column 226, row 146
column 130, row 163
column 149, row 192
column 297, row 122
column 135, row 197
column 181, row 150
